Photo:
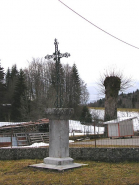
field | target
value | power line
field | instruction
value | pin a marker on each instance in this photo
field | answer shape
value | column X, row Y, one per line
column 97, row 26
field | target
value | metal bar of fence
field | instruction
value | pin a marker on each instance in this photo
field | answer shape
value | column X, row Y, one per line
column 11, row 137
column 126, row 142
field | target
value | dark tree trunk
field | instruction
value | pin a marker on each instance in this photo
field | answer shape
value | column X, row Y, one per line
column 112, row 87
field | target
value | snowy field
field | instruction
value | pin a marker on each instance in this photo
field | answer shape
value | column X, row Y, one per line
column 120, row 114
column 76, row 125
column 76, row 128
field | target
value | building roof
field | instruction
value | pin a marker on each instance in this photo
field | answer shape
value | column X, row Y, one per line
column 118, row 120
column 4, row 125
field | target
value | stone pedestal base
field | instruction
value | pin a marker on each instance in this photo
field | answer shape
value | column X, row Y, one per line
column 59, row 164
column 57, row 167
column 58, row 161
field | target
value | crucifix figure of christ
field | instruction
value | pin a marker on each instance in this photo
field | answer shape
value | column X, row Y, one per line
column 56, row 56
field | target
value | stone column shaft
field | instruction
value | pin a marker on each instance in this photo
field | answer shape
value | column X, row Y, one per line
column 59, row 138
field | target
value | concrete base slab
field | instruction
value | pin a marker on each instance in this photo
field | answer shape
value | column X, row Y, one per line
column 57, row 167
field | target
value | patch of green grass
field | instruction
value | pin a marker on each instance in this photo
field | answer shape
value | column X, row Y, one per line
column 18, row 172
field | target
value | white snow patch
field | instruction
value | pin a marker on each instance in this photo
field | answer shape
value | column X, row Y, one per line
column 71, row 141
column 36, row 145
column 76, row 128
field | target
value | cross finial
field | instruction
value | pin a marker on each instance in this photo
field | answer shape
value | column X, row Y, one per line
column 56, row 42
column 56, row 56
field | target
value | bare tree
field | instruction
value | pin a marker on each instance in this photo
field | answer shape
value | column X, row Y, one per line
column 111, row 83
column 125, row 82
column 84, row 93
column 39, row 80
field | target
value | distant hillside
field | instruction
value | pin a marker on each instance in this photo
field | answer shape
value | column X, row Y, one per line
column 130, row 100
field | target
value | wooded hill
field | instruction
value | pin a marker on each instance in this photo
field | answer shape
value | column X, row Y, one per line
column 130, row 100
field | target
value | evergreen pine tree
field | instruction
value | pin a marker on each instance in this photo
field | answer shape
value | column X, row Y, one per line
column 75, row 91
column 75, row 87
column 2, row 84
column 86, row 117
column 8, row 76
column 11, row 79
column 8, row 87
column 2, row 92
column 19, row 97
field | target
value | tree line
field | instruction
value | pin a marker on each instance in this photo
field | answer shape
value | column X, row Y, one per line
column 25, row 93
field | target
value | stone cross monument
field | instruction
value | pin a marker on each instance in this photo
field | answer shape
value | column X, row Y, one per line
column 58, row 127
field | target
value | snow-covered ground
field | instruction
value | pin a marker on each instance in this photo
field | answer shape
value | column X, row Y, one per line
column 120, row 114
column 76, row 125
column 76, row 128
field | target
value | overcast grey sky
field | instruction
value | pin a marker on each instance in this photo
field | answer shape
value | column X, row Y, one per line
column 28, row 29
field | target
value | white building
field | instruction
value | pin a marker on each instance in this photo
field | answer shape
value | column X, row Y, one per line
column 120, row 127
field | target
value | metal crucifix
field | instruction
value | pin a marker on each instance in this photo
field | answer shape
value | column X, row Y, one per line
column 56, row 56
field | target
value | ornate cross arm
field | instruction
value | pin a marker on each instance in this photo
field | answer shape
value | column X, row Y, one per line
column 64, row 55
column 48, row 57
column 59, row 55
